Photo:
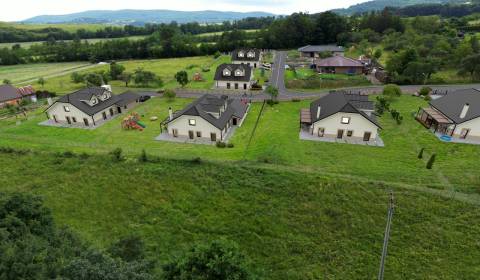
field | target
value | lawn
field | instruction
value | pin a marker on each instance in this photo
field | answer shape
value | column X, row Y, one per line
column 305, row 79
column 26, row 72
column 291, row 225
column 165, row 68
column 276, row 142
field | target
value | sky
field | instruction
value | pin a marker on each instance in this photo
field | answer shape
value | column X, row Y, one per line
column 16, row 10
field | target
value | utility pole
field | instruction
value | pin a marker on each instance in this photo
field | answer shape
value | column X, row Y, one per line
column 391, row 208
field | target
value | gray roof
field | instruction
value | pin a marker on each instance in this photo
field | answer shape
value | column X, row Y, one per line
column 233, row 67
column 208, row 103
column 321, row 48
column 452, row 104
column 338, row 61
column 342, row 102
column 8, row 92
column 245, row 58
column 76, row 98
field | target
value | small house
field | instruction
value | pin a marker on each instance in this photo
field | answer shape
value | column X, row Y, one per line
column 339, row 65
column 234, row 76
column 250, row 57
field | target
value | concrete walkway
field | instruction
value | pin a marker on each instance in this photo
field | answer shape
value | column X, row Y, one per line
column 377, row 142
column 165, row 136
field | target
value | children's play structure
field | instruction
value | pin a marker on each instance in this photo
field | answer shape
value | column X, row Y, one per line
column 132, row 121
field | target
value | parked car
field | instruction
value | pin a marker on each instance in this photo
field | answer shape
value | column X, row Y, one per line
column 144, row 98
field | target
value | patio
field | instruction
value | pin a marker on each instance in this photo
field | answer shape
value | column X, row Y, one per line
column 305, row 135
column 165, row 136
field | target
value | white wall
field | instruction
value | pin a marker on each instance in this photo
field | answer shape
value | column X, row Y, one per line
column 358, row 123
column 182, row 125
column 58, row 110
column 473, row 125
column 223, row 85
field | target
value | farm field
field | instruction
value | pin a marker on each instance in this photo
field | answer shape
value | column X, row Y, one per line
column 456, row 167
column 304, row 79
column 73, row 27
column 29, row 44
column 291, row 225
column 221, row 32
column 165, row 68
column 25, row 72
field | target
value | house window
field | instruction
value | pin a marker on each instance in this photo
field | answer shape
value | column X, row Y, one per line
column 321, row 132
column 66, row 108
column 74, row 119
column 85, row 121
column 199, row 134
column 192, row 122
column 345, row 120
column 175, row 132
column 349, row 133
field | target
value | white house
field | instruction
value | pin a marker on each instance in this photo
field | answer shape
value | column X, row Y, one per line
column 89, row 107
column 250, row 57
column 456, row 115
column 209, row 118
column 341, row 117
column 234, row 76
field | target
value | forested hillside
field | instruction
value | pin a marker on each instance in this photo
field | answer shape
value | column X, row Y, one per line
column 378, row 5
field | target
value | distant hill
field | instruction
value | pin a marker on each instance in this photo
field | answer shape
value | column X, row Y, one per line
column 377, row 5
column 144, row 16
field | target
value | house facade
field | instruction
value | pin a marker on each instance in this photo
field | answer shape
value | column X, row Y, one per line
column 456, row 115
column 90, row 107
column 340, row 65
column 9, row 95
column 250, row 57
column 341, row 116
column 234, row 76
column 209, row 118
column 315, row 51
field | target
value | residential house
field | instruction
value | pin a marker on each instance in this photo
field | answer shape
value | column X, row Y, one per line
column 456, row 115
column 340, row 65
column 341, row 117
column 90, row 107
column 209, row 118
column 315, row 51
column 234, row 76
column 9, row 96
column 250, row 57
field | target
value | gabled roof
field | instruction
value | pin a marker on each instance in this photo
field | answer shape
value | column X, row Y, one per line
column 321, row 48
column 233, row 67
column 245, row 58
column 8, row 92
column 451, row 105
column 208, row 104
column 79, row 97
column 26, row 90
column 342, row 102
column 338, row 61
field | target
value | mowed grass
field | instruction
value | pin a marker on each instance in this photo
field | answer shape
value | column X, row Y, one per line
column 305, row 79
column 25, row 72
column 276, row 142
column 291, row 225
column 92, row 41
column 164, row 68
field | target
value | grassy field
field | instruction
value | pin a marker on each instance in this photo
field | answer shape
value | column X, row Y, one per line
column 29, row 44
column 65, row 26
column 456, row 167
column 221, row 32
column 57, row 75
column 307, row 79
column 291, row 225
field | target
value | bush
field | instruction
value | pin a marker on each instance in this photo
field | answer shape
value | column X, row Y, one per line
column 197, row 160
column 425, row 91
column 431, row 161
column 296, row 100
column 169, row 94
column 392, row 91
column 230, row 145
column 272, row 102
column 117, row 154
column 217, row 54
column 221, row 145
column 205, row 69
column 129, row 249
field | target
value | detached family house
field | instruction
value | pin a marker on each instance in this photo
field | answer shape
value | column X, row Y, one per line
column 341, row 117
column 315, row 51
column 456, row 115
column 89, row 107
column 250, row 57
column 340, row 65
column 234, row 76
column 210, row 118
column 10, row 95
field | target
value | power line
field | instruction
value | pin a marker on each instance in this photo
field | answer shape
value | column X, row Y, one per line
column 391, row 208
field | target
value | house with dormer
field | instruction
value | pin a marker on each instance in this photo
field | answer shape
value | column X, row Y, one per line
column 250, row 57
column 89, row 107
column 234, row 76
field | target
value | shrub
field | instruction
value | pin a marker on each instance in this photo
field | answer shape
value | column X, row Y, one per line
column 424, row 91
column 391, row 91
column 117, row 154
column 220, row 144
column 205, row 69
column 420, row 154
column 217, row 54
column 230, row 145
column 296, row 100
column 169, row 94
column 197, row 160
column 143, row 156
column 272, row 102
column 129, row 249
column 431, row 161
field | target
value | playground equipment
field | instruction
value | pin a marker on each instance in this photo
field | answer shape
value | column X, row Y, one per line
column 132, row 121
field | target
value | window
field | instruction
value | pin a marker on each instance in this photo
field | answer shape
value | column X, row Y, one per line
column 66, row 108
column 175, row 132
column 74, row 119
column 192, row 122
column 349, row 133
column 345, row 120
column 85, row 121
column 199, row 134
column 321, row 132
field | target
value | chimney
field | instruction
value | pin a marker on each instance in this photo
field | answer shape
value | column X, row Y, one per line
column 170, row 113
column 319, row 109
column 464, row 112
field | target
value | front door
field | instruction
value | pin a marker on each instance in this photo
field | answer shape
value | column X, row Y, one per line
column 464, row 133
column 213, row 137
column 104, row 115
column 85, row 121
column 119, row 110
column 55, row 118
column 234, row 121
column 367, row 136
column 111, row 112
column 190, row 134
column 321, row 132
column 340, row 133
column 68, row 120
column 244, row 86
